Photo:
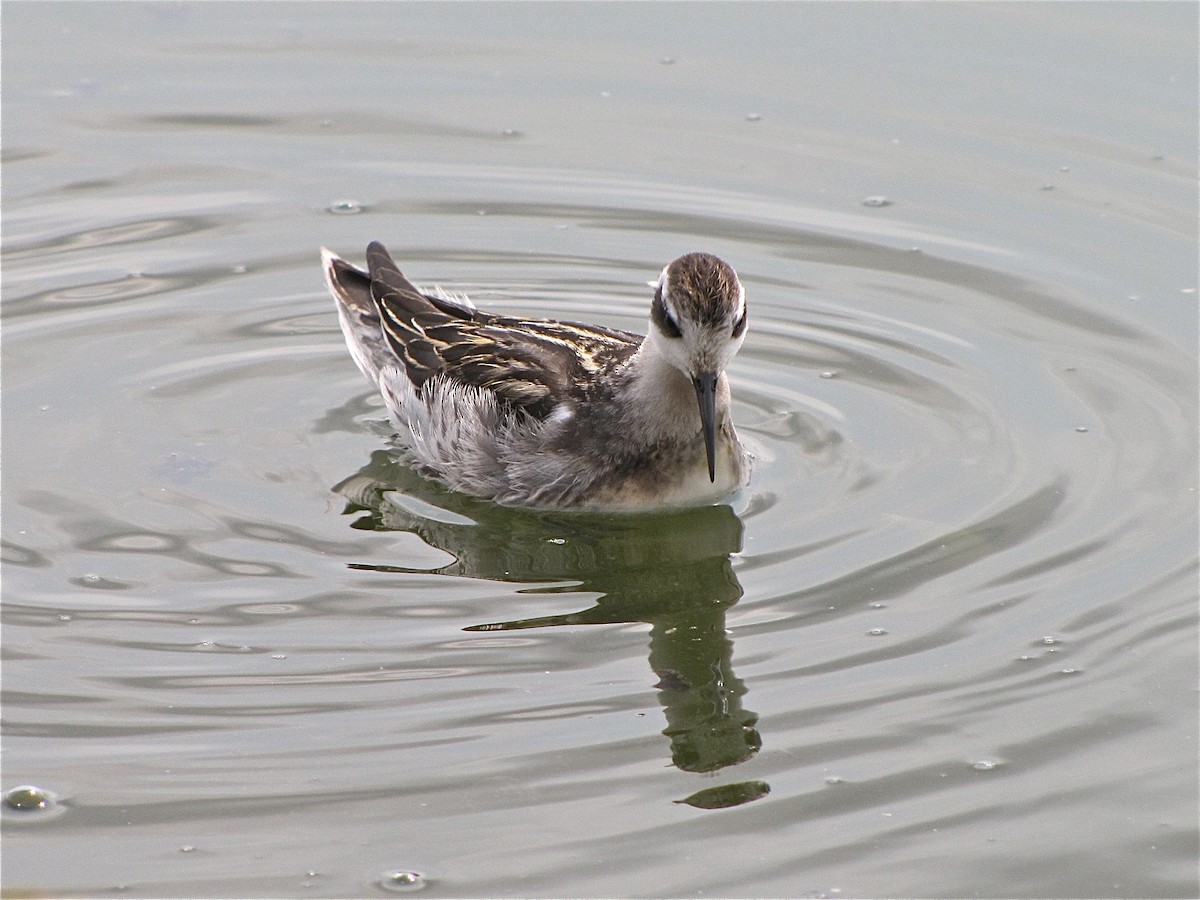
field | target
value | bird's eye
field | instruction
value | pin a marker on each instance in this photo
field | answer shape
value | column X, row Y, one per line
column 662, row 318
column 739, row 327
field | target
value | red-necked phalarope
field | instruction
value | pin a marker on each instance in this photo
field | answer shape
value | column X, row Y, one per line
column 532, row 412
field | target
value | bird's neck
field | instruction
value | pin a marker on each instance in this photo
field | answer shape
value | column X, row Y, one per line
column 660, row 400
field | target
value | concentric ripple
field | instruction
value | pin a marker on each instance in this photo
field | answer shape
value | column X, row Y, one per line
column 970, row 523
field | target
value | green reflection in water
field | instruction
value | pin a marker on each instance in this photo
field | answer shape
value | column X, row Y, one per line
column 671, row 570
column 727, row 795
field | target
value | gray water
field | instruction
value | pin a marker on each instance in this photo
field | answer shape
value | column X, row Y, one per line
column 945, row 643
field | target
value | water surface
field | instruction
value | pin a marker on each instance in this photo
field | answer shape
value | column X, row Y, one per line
column 943, row 645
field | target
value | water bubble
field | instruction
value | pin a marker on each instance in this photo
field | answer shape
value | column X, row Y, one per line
column 877, row 200
column 1069, row 671
column 1064, row 168
column 345, row 207
column 1082, row 429
column 91, row 580
column 829, row 373
column 400, row 881
column 984, row 765
column 876, row 632
column 28, row 797
column 187, row 848
column 667, row 60
column 511, row 132
column 753, row 117
column 835, row 779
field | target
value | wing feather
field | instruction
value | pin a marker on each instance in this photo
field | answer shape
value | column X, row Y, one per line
column 530, row 364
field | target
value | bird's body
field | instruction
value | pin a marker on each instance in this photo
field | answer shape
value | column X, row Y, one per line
column 539, row 413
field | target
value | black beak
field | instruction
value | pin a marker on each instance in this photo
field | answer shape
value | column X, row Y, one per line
column 706, row 393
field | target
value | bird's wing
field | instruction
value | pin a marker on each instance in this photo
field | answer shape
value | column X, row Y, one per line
column 530, row 364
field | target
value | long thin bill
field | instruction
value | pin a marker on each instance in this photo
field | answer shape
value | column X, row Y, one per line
column 706, row 393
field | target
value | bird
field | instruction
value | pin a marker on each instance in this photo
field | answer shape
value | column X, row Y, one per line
column 552, row 414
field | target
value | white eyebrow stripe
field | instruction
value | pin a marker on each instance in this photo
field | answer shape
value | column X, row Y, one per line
column 668, row 303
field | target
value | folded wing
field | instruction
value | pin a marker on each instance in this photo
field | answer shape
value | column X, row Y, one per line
column 530, row 364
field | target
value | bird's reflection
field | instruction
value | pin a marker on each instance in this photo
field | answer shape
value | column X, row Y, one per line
column 671, row 570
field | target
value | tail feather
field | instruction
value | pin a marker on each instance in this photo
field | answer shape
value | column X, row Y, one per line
column 349, row 285
column 359, row 317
